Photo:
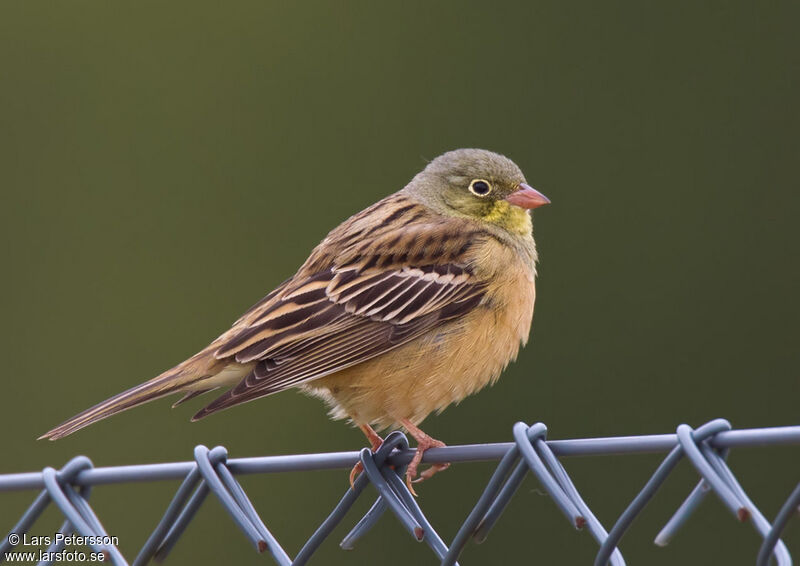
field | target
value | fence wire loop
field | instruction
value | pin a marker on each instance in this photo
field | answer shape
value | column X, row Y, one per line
column 74, row 505
column 230, row 494
column 715, row 475
column 211, row 471
column 212, row 474
column 538, row 458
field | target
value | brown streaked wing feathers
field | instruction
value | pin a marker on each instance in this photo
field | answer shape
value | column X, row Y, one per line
column 351, row 302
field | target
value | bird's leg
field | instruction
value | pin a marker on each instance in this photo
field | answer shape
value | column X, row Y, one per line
column 375, row 440
column 424, row 442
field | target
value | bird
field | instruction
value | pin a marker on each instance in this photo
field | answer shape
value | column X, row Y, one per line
column 405, row 308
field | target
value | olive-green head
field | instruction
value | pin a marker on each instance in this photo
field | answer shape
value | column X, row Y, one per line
column 478, row 184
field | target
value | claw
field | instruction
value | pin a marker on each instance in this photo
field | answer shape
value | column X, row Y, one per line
column 409, row 485
column 357, row 469
column 432, row 471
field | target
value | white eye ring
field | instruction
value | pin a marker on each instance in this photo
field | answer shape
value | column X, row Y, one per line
column 480, row 187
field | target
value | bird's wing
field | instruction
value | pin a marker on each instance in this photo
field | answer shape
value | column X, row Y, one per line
column 351, row 303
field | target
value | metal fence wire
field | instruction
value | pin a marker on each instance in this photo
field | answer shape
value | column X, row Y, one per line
column 706, row 447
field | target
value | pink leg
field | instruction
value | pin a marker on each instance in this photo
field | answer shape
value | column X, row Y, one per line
column 424, row 442
column 375, row 440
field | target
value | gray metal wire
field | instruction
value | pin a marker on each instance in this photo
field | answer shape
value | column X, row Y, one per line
column 211, row 471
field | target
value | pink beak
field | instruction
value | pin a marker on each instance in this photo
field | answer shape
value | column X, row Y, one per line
column 527, row 197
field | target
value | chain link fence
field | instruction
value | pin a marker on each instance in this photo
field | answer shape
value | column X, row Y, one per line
column 706, row 448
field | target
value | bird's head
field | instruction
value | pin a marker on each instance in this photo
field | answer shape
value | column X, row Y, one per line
column 478, row 184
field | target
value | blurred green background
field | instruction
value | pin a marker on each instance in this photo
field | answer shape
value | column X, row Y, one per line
column 164, row 165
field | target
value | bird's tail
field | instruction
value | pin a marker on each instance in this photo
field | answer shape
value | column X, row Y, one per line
column 168, row 382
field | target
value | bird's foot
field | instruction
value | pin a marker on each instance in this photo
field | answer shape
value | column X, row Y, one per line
column 376, row 441
column 424, row 442
column 412, row 476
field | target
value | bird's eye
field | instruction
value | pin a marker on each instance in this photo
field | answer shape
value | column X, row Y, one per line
column 480, row 187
